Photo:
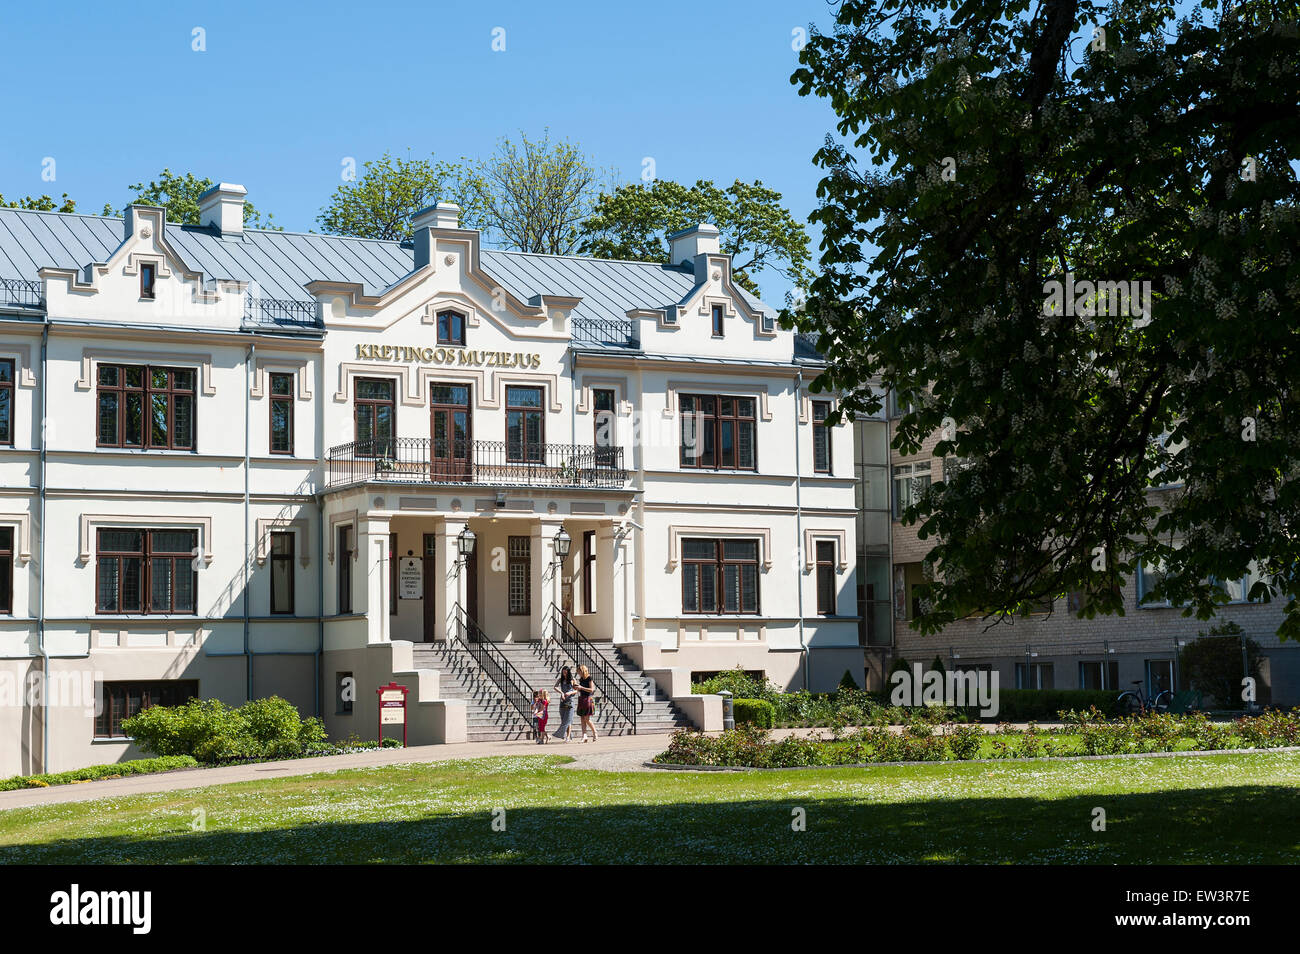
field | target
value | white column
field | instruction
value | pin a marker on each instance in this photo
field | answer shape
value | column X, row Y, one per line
column 373, row 545
column 611, row 590
column 448, row 575
column 541, row 552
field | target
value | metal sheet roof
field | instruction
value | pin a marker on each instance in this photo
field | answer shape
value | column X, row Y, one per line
column 282, row 263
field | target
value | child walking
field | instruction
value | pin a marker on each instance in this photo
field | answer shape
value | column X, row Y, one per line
column 541, row 706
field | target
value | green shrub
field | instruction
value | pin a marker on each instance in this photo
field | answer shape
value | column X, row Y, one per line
column 756, row 712
column 1025, row 705
column 1212, row 663
column 847, row 681
column 965, row 741
column 740, row 684
column 165, row 763
column 212, row 732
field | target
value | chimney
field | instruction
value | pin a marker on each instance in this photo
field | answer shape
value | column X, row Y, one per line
column 684, row 246
column 444, row 215
column 222, row 207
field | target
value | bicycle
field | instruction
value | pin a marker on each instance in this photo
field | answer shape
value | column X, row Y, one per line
column 1135, row 701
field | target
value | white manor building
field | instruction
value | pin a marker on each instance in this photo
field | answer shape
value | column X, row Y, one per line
column 239, row 463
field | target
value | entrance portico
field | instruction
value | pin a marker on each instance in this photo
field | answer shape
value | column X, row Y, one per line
column 418, row 556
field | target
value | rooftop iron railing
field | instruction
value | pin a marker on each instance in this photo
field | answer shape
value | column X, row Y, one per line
column 17, row 292
column 281, row 313
column 605, row 332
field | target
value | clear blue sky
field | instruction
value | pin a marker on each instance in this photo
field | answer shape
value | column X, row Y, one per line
column 114, row 92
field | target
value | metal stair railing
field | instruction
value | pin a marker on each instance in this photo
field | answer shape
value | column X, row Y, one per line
column 612, row 684
column 513, row 687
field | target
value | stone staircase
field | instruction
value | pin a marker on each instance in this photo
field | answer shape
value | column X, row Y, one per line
column 488, row 717
column 539, row 663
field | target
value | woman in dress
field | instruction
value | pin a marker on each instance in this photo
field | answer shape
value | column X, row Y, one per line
column 568, row 698
column 586, row 702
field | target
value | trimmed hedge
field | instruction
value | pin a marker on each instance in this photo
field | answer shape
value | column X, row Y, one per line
column 755, row 712
column 166, row 763
column 1043, row 705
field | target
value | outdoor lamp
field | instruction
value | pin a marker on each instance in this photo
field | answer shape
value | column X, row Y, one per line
column 465, row 543
column 562, row 542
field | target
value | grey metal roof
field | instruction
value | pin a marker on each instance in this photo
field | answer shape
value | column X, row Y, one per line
column 283, row 263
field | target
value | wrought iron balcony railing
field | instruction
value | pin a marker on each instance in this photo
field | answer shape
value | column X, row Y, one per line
column 605, row 332
column 485, row 463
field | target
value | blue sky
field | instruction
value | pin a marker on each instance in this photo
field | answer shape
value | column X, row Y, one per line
column 115, row 92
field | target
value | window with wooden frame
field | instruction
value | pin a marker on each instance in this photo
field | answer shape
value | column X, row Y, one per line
column 375, row 413
column 603, row 417
column 343, row 566
column 7, row 570
column 451, row 328
column 821, row 437
column 121, row 700
column 146, row 407
column 281, row 561
column 588, row 571
column 719, row 432
column 825, row 577
column 720, row 576
column 718, row 329
column 141, row 571
column 7, row 402
column 519, row 573
column 148, row 280
column 281, row 413
column 525, row 425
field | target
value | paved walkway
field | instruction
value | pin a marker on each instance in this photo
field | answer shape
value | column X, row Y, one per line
column 619, row 753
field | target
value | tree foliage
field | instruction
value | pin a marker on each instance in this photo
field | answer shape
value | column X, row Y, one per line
column 42, row 203
column 533, row 195
column 178, row 194
column 756, row 229
column 1213, row 664
column 379, row 203
column 1013, row 145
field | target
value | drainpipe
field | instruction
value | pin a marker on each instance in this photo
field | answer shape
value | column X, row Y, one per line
column 798, row 526
column 40, row 564
column 320, row 600
column 248, row 382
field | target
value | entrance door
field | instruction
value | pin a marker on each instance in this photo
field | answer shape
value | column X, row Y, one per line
column 431, row 587
column 449, row 432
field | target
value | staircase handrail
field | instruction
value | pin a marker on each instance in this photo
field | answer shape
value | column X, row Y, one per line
column 493, row 663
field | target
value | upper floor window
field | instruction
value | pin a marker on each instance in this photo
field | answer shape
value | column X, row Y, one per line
column 718, row 431
column 451, row 328
column 602, row 400
column 374, row 410
column 281, row 559
column 281, row 413
column 143, row 406
column 717, row 321
column 720, row 576
column 525, row 425
column 7, row 402
column 821, row 437
column 910, row 481
column 148, row 278
column 145, row 571
column 6, row 570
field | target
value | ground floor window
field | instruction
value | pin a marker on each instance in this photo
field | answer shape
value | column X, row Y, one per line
column 1160, row 675
column 720, row 576
column 345, row 689
column 1035, row 676
column 145, row 571
column 6, row 569
column 1098, row 675
column 282, row 572
column 519, row 574
column 121, row 700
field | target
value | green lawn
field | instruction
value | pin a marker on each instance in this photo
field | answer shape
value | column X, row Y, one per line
column 1237, row 809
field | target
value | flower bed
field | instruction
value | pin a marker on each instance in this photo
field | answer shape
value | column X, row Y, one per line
column 1085, row 734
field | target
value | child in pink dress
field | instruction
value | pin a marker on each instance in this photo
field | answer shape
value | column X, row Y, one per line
column 541, row 707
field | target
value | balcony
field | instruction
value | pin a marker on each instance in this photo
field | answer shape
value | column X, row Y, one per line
column 408, row 460
column 281, row 315
column 17, row 293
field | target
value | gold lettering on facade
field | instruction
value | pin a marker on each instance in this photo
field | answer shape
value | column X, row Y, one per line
column 460, row 356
